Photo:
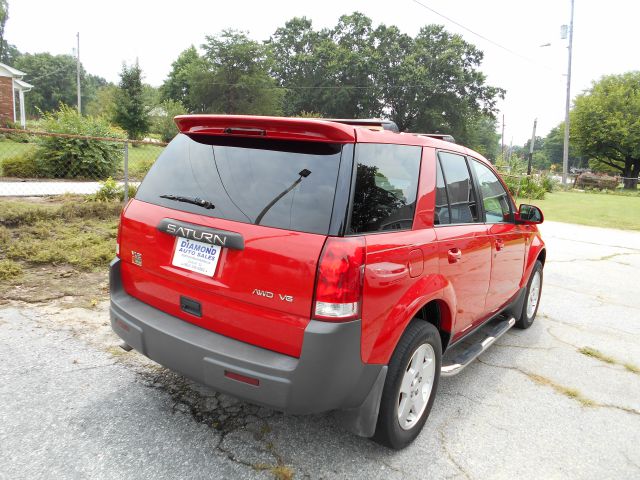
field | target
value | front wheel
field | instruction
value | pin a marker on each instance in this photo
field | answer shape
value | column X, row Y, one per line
column 532, row 298
column 410, row 386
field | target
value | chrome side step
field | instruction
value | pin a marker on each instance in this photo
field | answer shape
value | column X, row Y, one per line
column 462, row 354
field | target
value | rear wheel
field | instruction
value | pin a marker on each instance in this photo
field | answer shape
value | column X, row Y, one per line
column 532, row 298
column 410, row 386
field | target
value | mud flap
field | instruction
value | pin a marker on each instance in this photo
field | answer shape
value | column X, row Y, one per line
column 362, row 420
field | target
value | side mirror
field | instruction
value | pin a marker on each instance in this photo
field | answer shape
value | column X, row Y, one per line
column 529, row 215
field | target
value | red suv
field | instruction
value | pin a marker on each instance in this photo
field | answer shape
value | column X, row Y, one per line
column 314, row 265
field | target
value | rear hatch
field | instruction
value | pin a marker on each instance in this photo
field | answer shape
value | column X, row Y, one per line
column 227, row 227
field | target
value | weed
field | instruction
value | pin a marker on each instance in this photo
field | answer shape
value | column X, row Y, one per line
column 592, row 352
column 597, row 354
column 9, row 270
column 571, row 393
column 632, row 368
column 282, row 472
column 19, row 213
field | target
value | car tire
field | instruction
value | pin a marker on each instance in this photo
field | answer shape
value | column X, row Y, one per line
column 532, row 298
column 410, row 387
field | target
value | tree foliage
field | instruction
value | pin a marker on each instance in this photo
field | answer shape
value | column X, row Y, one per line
column 163, row 122
column 482, row 136
column 605, row 124
column 131, row 112
column 54, row 81
column 429, row 83
column 232, row 76
column 4, row 16
column 177, row 86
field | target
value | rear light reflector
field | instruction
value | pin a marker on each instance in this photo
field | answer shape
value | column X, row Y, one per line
column 339, row 279
column 242, row 378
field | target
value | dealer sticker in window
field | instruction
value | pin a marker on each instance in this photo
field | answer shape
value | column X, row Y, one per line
column 196, row 256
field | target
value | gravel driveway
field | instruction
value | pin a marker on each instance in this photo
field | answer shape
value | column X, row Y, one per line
column 72, row 405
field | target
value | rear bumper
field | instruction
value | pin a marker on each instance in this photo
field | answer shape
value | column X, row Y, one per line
column 328, row 375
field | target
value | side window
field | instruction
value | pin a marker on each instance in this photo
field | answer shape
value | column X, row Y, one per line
column 463, row 206
column 441, row 215
column 496, row 202
column 386, row 187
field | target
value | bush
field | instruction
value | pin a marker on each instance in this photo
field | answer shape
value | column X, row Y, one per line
column 24, row 165
column 163, row 123
column 548, row 183
column 528, row 187
column 110, row 190
column 75, row 157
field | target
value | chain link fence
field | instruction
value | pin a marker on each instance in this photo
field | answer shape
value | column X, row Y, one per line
column 37, row 163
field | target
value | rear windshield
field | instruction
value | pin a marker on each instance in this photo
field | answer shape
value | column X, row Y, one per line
column 289, row 185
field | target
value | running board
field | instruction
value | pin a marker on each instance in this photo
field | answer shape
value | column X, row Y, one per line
column 465, row 352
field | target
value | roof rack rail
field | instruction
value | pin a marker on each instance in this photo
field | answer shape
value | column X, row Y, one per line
column 440, row 136
column 373, row 123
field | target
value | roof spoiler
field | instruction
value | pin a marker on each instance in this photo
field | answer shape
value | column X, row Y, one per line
column 276, row 128
column 440, row 136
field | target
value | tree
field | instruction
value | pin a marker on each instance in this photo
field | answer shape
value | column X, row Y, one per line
column 483, row 137
column 54, row 81
column 554, row 145
column 103, row 103
column 295, row 66
column 445, row 88
column 236, row 79
column 177, row 86
column 130, row 109
column 163, row 122
column 428, row 83
column 605, row 123
column 4, row 16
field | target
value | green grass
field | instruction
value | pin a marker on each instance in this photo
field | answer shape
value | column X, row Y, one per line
column 10, row 148
column 595, row 209
column 141, row 158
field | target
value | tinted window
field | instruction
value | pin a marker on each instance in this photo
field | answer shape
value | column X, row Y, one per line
column 494, row 197
column 441, row 215
column 462, row 198
column 386, row 187
column 287, row 185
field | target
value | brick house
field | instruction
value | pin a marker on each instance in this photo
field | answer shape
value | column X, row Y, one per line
column 12, row 86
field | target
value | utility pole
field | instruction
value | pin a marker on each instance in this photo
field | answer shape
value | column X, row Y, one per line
column 531, row 145
column 78, row 74
column 502, row 146
column 565, row 149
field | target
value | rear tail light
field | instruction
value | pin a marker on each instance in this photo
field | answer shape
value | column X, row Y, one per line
column 339, row 279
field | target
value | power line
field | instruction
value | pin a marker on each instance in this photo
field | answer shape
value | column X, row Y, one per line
column 479, row 35
column 66, row 67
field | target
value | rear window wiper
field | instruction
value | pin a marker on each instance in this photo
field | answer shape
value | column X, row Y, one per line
column 194, row 201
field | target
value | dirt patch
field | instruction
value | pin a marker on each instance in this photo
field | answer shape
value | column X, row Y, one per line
column 56, row 249
column 72, row 288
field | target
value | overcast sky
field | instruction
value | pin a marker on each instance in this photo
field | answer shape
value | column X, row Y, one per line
column 605, row 38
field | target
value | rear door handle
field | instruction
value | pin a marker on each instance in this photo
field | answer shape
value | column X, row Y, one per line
column 454, row 255
column 499, row 244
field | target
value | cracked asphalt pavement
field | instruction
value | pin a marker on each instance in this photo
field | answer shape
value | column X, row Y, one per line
column 560, row 400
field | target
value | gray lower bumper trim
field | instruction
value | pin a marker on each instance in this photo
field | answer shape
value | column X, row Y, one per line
column 328, row 375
